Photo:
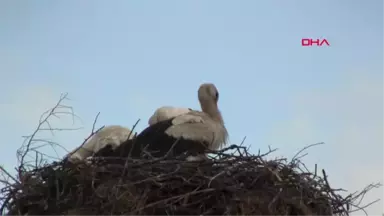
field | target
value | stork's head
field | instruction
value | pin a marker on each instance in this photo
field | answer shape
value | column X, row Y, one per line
column 208, row 93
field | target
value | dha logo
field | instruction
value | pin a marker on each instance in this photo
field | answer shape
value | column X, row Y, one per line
column 311, row 42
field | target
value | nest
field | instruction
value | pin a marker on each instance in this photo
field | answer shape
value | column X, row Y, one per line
column 230, row 183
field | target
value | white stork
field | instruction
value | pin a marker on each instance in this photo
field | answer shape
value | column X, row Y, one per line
column 195, row 131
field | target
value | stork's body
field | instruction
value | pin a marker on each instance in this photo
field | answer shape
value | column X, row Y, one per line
column 112, row 135
column 194, row 131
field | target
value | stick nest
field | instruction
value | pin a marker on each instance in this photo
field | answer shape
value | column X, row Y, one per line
column 232, row 182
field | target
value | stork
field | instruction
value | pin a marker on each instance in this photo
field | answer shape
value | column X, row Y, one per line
column 194, row 131
column 112, row 135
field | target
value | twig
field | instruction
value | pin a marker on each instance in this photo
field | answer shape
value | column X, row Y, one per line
column 303, row 149
column 94, row 122
column 9, row 175
column 44, row 119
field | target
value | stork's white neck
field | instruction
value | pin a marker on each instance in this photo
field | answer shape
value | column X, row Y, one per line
column 212, row 110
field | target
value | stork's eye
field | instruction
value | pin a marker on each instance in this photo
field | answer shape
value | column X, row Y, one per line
column 217, row 95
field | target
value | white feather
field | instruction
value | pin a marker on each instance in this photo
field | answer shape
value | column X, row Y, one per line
column 198, row 126
column 113, row 135
column 197, row 158
column 165, row 113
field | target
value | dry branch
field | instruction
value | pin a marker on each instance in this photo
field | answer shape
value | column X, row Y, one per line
column 58, row 110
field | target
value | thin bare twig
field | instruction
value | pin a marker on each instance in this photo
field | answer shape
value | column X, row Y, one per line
column 303, row 149
column 44, row 120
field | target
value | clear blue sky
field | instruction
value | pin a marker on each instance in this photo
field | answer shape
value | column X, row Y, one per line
column 127, row 58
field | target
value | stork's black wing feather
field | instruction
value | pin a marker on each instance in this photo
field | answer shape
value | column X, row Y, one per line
column 158, row 143
column 155, row 141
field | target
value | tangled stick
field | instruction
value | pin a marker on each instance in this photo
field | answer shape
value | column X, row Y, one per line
column 228, row 184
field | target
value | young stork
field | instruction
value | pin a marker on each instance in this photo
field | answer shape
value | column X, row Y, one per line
column 111, row 136
column 194, row 131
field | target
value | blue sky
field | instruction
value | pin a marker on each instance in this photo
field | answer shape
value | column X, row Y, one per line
column 127, row 58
